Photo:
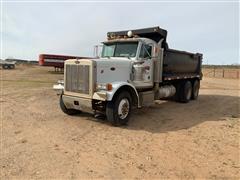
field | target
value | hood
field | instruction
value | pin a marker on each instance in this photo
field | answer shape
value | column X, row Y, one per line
column 112, row 70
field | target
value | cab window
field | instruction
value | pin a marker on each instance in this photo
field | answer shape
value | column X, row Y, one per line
column 146, row 51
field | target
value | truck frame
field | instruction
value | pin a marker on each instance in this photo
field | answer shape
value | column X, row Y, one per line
column 136, row 68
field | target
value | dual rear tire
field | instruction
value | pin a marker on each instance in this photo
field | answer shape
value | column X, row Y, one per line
column 8, row 66
column 195, row 89
column 187, row 90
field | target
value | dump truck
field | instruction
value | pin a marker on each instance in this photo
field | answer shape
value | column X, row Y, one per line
column 135, row 69
column 7, row 64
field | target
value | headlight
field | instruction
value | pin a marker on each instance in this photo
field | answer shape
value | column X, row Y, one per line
column 107, row 87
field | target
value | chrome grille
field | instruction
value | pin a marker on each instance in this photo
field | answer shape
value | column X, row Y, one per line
column 77, row 78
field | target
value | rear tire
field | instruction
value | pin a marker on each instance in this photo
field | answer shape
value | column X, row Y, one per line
column 119, row 109
column 195, row 89
column 11, row 67
column 5, row 66
column 185, row 92
column 65, row 110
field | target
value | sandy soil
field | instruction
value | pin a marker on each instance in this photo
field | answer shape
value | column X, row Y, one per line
column 168, row 140
column 230, row 73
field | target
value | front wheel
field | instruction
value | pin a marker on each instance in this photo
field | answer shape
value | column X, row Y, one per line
column 118, row 110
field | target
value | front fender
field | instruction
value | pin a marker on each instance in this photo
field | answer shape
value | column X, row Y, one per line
column 108, row 95
column 116, row 86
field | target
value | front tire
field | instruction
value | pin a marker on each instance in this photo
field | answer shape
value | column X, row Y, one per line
column 65, row 110
column 118, row 110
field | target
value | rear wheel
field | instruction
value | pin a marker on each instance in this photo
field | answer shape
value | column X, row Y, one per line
column 11, row 67
column 5, row 66
column 195, row 89
column 66, row 110
column 185, row 92
column 118, row 110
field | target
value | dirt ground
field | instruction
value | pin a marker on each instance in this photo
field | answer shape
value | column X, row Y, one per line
column 167, row 140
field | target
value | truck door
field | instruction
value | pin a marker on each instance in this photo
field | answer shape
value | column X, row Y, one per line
column 146, row 56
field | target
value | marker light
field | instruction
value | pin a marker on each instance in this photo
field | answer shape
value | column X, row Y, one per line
column 129, row 33
column 107, row 86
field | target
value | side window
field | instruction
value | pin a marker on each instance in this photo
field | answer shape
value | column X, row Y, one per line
column 108, row 50
column 146, row 51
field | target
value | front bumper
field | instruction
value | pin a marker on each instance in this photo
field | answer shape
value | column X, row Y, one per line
column 78, row 103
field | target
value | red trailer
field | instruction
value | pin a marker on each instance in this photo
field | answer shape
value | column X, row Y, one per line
column 56, row 61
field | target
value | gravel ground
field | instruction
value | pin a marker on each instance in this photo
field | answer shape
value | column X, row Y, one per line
column 167, row 140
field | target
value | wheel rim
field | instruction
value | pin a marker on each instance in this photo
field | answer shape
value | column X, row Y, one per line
column 123, row 108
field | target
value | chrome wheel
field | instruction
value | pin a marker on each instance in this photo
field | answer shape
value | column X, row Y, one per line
column 123, row 108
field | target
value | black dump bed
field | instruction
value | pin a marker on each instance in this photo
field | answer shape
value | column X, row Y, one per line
column 176, row 64
column 181, row 64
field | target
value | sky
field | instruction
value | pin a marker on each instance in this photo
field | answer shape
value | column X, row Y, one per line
column 73, row 28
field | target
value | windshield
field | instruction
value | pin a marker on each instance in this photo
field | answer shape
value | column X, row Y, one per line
column 120, row 49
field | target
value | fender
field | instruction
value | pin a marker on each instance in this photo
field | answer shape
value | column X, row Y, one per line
column 108, row 95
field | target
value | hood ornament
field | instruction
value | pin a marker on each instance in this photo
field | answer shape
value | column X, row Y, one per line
column 77, row 61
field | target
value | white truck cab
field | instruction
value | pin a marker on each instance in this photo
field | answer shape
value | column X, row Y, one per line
column 129, row 73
